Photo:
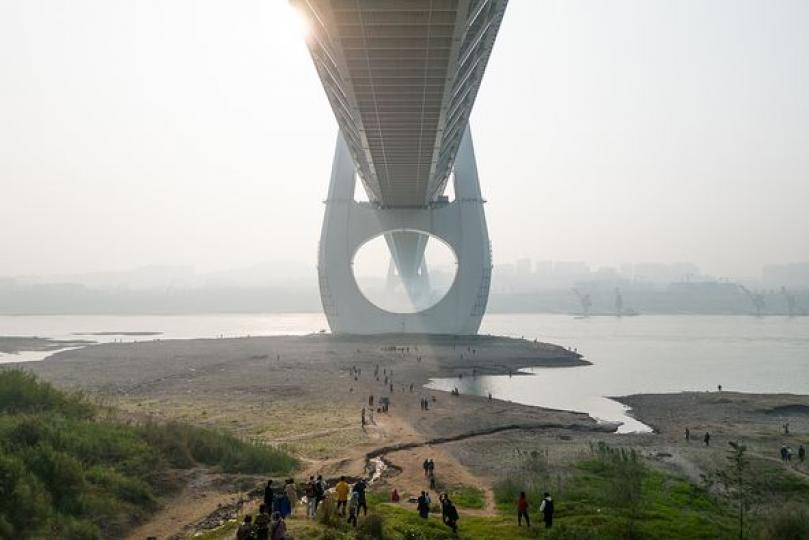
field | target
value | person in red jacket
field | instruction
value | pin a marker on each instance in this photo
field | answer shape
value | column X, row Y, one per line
column 522, row 510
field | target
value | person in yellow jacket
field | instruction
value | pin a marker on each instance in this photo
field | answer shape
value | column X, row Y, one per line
column 341, row 489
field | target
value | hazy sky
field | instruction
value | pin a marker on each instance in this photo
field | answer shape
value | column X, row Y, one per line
column 136, row 132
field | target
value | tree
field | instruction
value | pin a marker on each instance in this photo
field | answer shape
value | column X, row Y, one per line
column 734, row 478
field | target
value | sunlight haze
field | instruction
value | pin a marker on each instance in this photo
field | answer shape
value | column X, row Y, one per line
column 197, row 133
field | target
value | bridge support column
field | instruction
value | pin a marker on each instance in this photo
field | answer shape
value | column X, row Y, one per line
column 348, row 224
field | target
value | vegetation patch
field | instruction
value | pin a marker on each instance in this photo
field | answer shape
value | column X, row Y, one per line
column 67, row 472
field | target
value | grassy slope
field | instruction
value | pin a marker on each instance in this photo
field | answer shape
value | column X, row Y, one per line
column 65, row 471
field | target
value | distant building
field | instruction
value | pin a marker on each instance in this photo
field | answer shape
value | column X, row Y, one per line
column 523, row 268
column 791, row 276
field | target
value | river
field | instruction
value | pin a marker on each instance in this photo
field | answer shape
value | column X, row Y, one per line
column 646, row 354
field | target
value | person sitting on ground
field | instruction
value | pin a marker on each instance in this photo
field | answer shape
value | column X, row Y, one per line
column 449, row 513
column 522, row 510
column 353, row 508
column 261, row 526
column 341, row 489
column 359, row 488
column 423, row 506
column 278, row 529
column 245, row 529
column 546, row 508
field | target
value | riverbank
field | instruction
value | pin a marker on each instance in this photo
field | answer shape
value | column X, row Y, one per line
column 306, row 394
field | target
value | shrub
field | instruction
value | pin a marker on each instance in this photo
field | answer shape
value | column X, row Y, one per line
column 327, row 513
column 790, row 522
column 21, row 392
column 372, row 527
column 66, row 473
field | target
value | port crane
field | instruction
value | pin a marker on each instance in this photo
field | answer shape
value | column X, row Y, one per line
column 756, row 298
column 586, row 302
column 793, row 309
column 619, row 303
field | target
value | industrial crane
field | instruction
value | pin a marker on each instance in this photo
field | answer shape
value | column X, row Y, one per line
column 756, row 298
column 585, row 301
column 619, row 303
column 792, row 302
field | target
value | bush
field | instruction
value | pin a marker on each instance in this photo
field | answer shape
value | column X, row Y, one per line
column 327, row 513
column 21, row 392
column 790, row 522
column 64, row 473
column 372, row 527
column 184, row 445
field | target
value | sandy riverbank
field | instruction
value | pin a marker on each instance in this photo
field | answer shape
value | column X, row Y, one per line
column 299, row 392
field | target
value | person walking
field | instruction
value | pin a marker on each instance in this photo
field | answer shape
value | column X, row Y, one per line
column 423, row 506
column 426, row 466
column 269, row 494
column 522, row 510
column 707, row 439
column 359, row 489
column 546, row 508
column 341, row 489
column 320, row 491
column 449, row 514
column 353, row 508
column 311, row 496
column 801, row 453
column 292, row 495
column 687, row 435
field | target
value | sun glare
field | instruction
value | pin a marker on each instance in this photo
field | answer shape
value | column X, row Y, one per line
column 296, row 22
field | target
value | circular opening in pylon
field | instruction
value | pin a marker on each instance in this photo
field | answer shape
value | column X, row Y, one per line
column 405, row 270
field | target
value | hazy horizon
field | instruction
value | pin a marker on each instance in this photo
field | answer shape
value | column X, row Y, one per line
column 198, row 134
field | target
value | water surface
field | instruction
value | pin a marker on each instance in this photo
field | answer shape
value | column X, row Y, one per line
column 646, row 354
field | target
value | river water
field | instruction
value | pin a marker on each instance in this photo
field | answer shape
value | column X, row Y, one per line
column 646, row 354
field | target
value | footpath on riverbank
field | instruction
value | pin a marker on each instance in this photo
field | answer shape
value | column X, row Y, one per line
column 307, row 395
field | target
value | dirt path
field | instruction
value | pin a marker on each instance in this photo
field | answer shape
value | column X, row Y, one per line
column 201, row 497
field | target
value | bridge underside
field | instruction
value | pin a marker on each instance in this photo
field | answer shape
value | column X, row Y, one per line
column 402, row 77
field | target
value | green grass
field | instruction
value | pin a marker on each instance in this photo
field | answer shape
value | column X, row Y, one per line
column 65, row 473
column 467, row 497
column 614, row 494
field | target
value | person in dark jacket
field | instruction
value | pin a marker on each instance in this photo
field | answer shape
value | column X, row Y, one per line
column 449, row 513
column 262, row 523
column 546, row 508
column 269, row 494
column 423, row 506
column 320, row 491
column 359, row 488
column 245, row 530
